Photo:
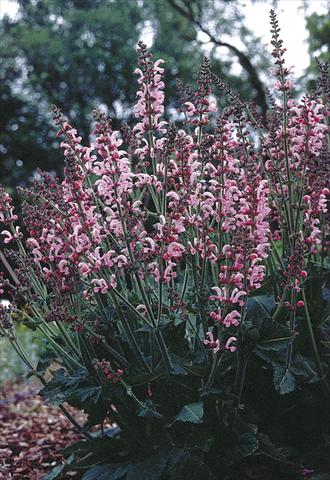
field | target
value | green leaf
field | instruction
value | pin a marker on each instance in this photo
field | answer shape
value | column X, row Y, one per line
column 175, row 463
column 55, row 472
column 178, row 365
column 197, row 370
column 106, row 472
column 150, row 469
column 284, row 380
column 182, row 466
column 97, row 451
column 274, row 336
column 85, row 393
column 248, row 444
column 76, row 388
column 302, row 370
column 98, row 445
column 192, row 413
column 148, row 410
column 138, row 380
column 275, row 344
column 320, row 476
column 265, row 289
column 260, row 307
column 326, row 344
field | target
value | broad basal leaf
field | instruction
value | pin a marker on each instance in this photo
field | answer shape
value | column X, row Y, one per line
column 106, row 472
column 284, row 380
column 192, row 413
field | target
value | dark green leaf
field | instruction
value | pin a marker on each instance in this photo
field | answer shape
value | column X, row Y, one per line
column 260, row 307
column 275, row 344
column 321, row 476
column 148, row 410
column 76, row 388
column 178, row 365
column 150, row 469
column 107, row 445
column 85, row 393
column 192, row 413
column 284, row 380
column 182, row 465
column 106, row 472
column 273, row 335
column 198, row 370
column 55, row 472
column 248, row 444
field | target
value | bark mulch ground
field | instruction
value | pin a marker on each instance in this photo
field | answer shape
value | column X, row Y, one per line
column 31, row 433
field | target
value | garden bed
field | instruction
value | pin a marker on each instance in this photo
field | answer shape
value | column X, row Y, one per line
column 32, row 433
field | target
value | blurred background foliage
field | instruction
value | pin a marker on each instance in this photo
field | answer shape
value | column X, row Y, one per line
column 80, row 54
column 318, row 27
column 11, row 366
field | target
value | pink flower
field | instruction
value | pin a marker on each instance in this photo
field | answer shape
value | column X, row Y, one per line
column 219, row 293
column 277, row 235
column 142, row 309
column 150, row 247
column 236, row 297
column 229, row 344
column 232, row 319
column 47, row 273
column 11, row 237
column 222, row 295
column 120, row 261
column 190, row 109
column 85, row 269
column 169, row 272
column 307, row 472
column 211, row 343
column 63, row 267
column 101, row 285
column 216, row 316
column 6, row 208
column 174, row 250
column 32, row 242
column 173, row 196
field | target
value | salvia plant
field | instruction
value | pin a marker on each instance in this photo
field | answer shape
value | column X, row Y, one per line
column 179, row 279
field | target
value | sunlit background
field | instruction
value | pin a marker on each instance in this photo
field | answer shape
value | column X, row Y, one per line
column 291, row 13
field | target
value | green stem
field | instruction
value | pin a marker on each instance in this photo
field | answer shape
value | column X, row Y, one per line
column 199, row 300
column 215, row 364
column 131, row 338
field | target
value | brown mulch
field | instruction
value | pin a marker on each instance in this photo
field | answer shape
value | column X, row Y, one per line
column 31, row 433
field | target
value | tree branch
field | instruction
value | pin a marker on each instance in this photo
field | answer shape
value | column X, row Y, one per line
column 243, row 59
